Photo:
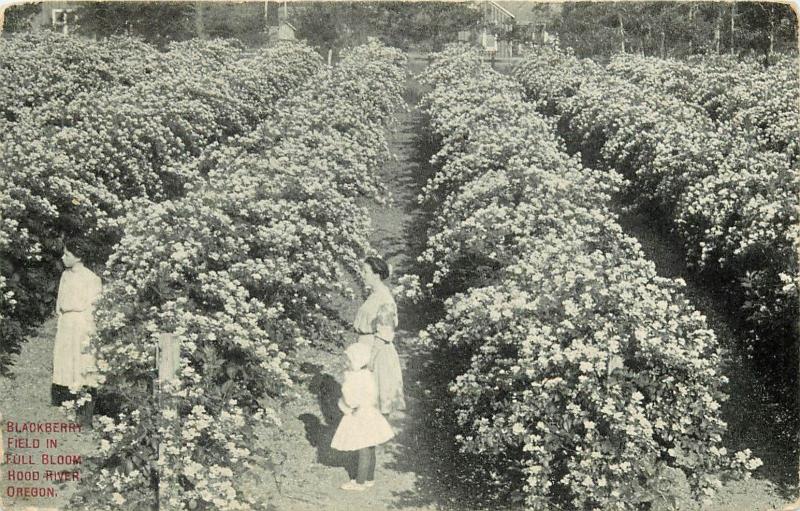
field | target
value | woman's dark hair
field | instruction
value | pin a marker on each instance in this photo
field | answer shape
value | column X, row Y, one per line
column 378, row 266
column 77, row 246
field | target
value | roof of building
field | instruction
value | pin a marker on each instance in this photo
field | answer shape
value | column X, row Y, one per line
column 498, row 6
column 530, row 11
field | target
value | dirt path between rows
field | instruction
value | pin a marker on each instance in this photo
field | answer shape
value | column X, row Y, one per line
column 309, row 472
column 25, row 398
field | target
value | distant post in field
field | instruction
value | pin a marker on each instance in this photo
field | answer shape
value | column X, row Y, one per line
column 168, row 356
column 169, row 359
column 199, row 22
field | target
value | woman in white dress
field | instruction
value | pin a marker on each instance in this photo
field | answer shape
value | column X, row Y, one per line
column 74, row 365
column 375, row 324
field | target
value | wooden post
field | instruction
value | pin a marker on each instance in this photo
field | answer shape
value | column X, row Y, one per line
column 733, row 25
column 771, row 33
column 199, row 22
column 168, row 357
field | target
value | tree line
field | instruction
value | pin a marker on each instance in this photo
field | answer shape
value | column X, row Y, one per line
column 590, row 28
column 675, row 28
column 426, row 25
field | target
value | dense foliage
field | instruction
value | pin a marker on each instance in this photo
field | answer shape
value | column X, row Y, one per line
column 241, row 271
column 589, row 381
column 423, row 25
column 738, row 91
column 77, row 152
column 156, row 22
column 32, row 72
column 711, row 146
column 17, row 18
column 663, row 29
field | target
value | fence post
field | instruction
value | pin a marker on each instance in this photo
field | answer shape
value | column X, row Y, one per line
column 168, row 355
column 169, row 361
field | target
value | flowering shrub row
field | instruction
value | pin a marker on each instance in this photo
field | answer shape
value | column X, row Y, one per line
column 729, row 89
column 39, row 67
column 72, row 166
column 547, row 90
column 724, row 186
column 591, row 383
column 241, row 271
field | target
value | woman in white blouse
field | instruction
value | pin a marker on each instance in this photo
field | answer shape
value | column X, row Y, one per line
column 74, row 365
column 375, row 324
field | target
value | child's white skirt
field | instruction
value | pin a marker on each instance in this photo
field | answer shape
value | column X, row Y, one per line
column 364, row 428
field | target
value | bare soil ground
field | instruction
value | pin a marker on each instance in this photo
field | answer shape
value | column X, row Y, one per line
column 25, row 397
column 309, row 472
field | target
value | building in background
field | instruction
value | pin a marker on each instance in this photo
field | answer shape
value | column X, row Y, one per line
column 495, row 21
column 507, row 27
column 59, row 16
column 285, row 32
column 493, row 15
column 502, row 28
column 278, row 14
column 251, row 22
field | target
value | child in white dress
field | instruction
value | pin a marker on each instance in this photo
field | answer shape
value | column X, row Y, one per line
column 363, row 426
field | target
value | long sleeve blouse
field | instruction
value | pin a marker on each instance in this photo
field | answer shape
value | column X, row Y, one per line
column 77, row 290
